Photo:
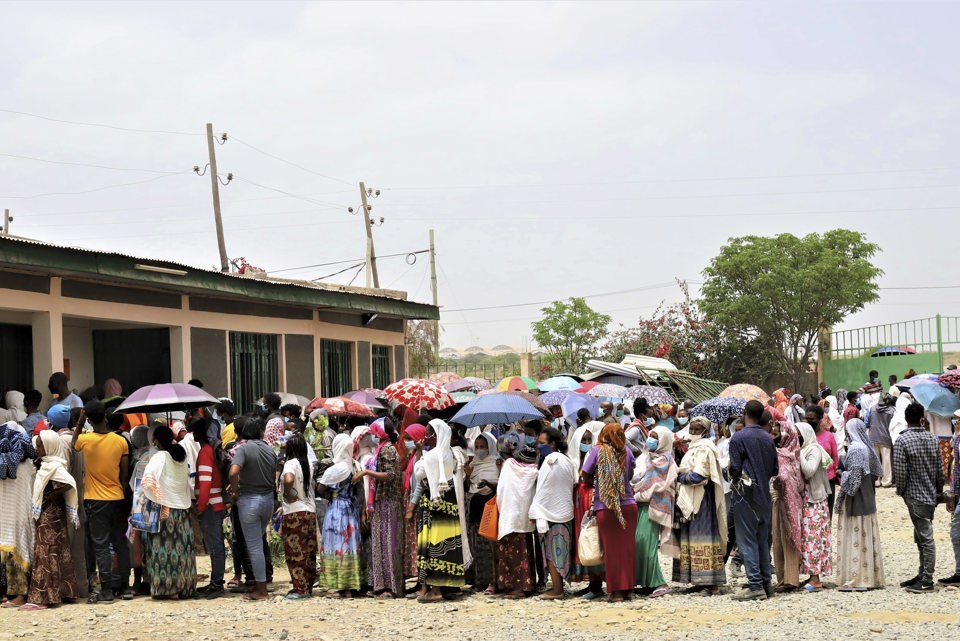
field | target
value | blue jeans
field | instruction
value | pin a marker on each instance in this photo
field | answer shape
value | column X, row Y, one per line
column 753, row 539
column 211, row 524
column 255, row 514
column 955, row 537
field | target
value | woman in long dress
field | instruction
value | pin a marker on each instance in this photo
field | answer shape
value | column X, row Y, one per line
column 787, row 499
column 299, row 529
column 516, row 572
column 702, row 537
column 340, row 537
column 442, row 556
column 484, row 473
column 859, row 557
column 815, row 552
column 55, row 504
column 581, row 442
column 411, row 441
column 171, row 555
column 385, row 505
column 552, row 509
column 654, row 486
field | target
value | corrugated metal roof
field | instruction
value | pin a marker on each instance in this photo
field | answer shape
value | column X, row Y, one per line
column 331, row 287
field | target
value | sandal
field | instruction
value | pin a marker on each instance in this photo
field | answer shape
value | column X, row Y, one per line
column 659, row 592
column 809, row 587
column 31, row 607
column 233, row 583
column 428, row 598
column 546, row 596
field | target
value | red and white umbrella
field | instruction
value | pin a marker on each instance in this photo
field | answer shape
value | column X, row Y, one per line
column 339, row 406
column 418, row 394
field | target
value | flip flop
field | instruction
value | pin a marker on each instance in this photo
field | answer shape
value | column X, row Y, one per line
column 31, row 607
column 811, row 588
column 659, row 592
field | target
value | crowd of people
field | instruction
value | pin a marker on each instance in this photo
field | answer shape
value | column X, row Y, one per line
column 407, row 504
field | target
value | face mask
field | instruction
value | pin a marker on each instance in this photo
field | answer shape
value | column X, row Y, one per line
column 545, row 450
column 585, row 447
column 647, row 422
column 653, row 444
column 683, row 420
column 375, row 439
column 482, row 454
column 695, row 437
column 619, row 413
column 530, row 440
column 286, row 419
column 410, row 445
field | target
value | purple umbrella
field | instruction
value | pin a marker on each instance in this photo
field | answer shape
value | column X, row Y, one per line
column 468, row 384
column 166, row 397
column 364, row 398
column 555, row 398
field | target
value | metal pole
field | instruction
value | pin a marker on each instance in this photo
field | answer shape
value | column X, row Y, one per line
column 215, row 185
column 433, row 286
column 6, row 221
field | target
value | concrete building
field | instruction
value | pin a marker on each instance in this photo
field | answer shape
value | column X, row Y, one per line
column 98, row 315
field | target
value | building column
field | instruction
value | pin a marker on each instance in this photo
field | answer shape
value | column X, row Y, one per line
column 47, row 346
column 181, row 368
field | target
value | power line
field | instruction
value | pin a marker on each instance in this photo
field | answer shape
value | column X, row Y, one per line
column 84, row 164
column 90, row 191
column 670, row 180
column 530, row 318
column 346, row 269
column 291, row 195
column 924, row 287
column 101, row 125
column 353, row 260
column 289, row 162
column 547, row 302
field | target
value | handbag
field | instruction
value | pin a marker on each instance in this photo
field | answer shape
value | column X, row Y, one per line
column 588, row 545
column 146, row 516
column 489, row 520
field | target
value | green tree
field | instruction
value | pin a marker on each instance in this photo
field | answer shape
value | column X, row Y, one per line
column 779, row 293
column 568, row 332
column 421, row 346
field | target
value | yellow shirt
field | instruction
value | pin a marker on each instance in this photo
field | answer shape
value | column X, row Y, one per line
column 101, row 458
column 228, row 435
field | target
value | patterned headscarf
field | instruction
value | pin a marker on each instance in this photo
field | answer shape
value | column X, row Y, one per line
column 789, row 482
column 611, row 460
column 861, row 460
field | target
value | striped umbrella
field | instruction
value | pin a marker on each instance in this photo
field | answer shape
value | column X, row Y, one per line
column 517, row 384
column 418, row 394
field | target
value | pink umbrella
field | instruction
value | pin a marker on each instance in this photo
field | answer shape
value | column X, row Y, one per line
column 339, row 406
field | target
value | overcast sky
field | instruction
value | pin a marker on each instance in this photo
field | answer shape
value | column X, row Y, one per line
column 558, row 149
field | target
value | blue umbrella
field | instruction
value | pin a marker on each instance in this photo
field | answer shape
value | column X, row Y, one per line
column 496, row 409
column 935, row 399
column 555, row 398
column 559, row 383
column 907, row 383
column 719, row 409
column 575, row 402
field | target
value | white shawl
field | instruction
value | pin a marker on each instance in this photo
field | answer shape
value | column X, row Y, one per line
column 438, row 464
column 343, row 464
column 485, row 469
column 54, row 467
column 553, row 501
column 167, row 482
column 515, row 496
column 458, row 482
column 839, row 431
column 573, row 447
column 703, row 458
column 17, row 527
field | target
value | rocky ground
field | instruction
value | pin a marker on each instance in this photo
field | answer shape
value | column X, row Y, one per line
column 828, row 615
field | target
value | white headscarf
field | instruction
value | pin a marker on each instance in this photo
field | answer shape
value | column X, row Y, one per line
column 438, row 464
column 810, row 442
column 53, row 467
column 485, row 469
column 573, row 448
column 836, row 418
column 13, row 401
column 343, row 464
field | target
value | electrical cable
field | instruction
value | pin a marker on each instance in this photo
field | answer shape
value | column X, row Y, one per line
column 340, row 262
column 84, row 164
column 95, row 124
column 289, row 162
column 291, row 195
column 90, row 191
column 339, row 272
column 547, row 302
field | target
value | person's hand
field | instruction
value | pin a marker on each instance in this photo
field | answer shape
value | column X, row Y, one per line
column 409, row 514
column 951, row 504
column 482, row 484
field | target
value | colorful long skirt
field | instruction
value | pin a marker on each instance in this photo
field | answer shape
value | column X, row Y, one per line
column 410, row 535
column 299, row 533
column 859, row 557
column 440, row 543
column 340, row 555
column 484, row 559
column 647, row 573
column 54, row 578
column 583, row 504
column 617, row 542
column 515, row 568
column 16, row 577
column 171, row 557
column 815, row 539
column 701, row 549
column 386, row 547
column 556, row 546
column 946, row 455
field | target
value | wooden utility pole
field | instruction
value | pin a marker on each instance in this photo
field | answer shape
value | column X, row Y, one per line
column 6, row 221
column 215, row 184
column 371, row 268
column 433, row 287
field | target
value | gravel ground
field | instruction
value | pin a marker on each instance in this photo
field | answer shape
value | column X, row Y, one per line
column 884, row 614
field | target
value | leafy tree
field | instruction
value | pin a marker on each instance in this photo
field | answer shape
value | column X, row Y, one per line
column 778, row 293
column 568, row 332
column 421, row 346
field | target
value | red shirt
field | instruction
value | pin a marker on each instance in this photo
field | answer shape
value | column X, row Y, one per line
column 209, row 481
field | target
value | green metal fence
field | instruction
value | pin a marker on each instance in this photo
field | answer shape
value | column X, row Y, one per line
column 926, row 344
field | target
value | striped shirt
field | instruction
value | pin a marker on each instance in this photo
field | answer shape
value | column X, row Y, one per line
column 209, row 481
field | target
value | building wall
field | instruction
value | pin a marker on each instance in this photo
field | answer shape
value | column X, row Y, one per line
column 190, row 329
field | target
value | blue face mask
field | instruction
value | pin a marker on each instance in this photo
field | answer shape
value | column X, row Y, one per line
column 653, row 443
column 682, row 420
column 545, row 451
column 585, row 447
column 530, row 440
column 619, row 413
column 648, row 422
column 410, row 445
column 375, row 439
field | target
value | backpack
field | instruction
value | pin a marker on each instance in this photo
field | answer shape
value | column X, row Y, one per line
column 223, row 459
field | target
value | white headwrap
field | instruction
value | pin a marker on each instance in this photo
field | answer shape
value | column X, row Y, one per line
column 343, row 464
column 438, row 464
column 573, row 447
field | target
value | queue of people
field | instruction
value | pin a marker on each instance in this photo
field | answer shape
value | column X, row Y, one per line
column 407, row 504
